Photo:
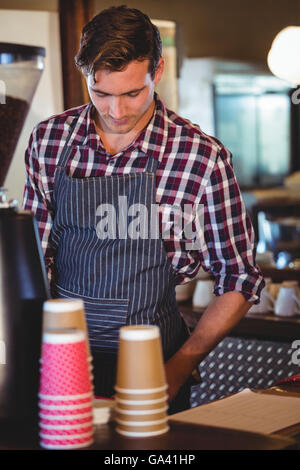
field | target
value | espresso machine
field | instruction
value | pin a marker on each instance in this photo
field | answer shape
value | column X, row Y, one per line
column 23, row 280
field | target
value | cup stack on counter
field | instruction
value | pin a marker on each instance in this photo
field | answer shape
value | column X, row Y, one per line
column 67, row 313
column 66, row 390
column 141, row 389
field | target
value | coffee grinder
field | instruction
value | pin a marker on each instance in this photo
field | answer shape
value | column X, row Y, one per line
column 23, row 280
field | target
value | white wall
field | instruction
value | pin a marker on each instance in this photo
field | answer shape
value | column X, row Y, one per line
column 36, row 28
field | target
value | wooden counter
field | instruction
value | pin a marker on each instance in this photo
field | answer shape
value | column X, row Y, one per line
column 180, row 437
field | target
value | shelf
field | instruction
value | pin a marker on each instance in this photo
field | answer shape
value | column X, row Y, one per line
column 266, row 327
column 279, row 275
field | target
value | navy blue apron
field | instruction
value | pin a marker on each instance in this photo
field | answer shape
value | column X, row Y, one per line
column 122, row 278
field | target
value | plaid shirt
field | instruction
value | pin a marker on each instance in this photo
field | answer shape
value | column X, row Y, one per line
column 194, row 168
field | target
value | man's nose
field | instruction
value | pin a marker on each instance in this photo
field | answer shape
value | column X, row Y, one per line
column 117, row 107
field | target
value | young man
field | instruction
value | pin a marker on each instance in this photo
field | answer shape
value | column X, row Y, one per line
column 126, row 146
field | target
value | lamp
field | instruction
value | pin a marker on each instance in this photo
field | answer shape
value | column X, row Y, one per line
column 284, row 55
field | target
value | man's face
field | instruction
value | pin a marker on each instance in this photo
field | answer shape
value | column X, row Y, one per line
column 124, row 100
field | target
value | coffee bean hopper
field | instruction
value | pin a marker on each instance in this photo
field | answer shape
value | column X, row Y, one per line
column 23, row 280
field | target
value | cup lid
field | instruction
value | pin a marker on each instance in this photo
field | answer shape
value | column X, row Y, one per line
column 63, row 305
column 63, row 336
column 139, row 332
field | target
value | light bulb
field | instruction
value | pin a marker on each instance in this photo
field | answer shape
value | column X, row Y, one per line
column 284, row 55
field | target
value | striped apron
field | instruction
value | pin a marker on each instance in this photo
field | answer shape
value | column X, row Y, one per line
column 122, row 278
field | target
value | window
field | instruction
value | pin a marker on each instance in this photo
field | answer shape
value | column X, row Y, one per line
column 253, row 120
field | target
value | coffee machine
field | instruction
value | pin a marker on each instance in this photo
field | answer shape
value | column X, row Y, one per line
column 23, row 280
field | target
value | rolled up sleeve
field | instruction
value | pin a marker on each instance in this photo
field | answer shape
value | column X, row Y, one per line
column 228, row 252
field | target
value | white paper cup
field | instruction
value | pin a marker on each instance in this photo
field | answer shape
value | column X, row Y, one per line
column 204, row 293
column 287, row 303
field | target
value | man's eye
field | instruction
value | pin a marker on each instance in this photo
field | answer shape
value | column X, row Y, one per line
column 133, row 94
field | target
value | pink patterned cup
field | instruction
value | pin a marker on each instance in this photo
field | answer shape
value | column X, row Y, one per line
column 66, row 393
column 64, row 370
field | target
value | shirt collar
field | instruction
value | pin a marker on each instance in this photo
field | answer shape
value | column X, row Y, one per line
column 83, row 128
column 151, row 141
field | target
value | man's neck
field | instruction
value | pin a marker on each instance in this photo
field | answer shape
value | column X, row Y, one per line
column 114, row 142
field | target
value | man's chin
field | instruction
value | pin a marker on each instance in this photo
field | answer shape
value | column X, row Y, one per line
column 120, row 128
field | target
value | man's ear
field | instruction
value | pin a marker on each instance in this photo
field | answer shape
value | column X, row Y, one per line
column 159, row 70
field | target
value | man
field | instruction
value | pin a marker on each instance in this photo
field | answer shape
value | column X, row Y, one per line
column 126, row 146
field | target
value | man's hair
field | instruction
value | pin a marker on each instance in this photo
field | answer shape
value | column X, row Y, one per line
column 115, row 37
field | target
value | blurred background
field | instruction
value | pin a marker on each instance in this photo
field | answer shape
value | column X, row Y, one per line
column 216, row 75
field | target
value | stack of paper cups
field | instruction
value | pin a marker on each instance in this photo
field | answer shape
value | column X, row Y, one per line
column 65, row 395
column 141, row 398
column 67, row 313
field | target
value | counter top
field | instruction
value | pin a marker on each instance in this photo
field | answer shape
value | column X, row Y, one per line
column 181, row 436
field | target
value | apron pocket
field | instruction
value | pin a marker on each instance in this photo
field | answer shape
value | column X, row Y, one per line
column 104, row 318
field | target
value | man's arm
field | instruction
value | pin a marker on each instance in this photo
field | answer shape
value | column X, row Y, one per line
column 228, row 252
column 35, row 200
column 215, row 323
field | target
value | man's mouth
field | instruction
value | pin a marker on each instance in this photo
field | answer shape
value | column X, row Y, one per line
column 120, row 122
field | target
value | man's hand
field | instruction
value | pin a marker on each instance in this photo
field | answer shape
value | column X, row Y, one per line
column 215, row 323
column 176, row 375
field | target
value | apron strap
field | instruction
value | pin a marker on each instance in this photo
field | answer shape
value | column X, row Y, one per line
column 63, row 160
column 152, row 165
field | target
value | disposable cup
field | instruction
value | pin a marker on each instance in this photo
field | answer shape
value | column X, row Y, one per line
column 137, row 429
column 141, row 412
column 66, row 411
column 136, row 396
column 52, row 415
column 62, row 427
column 70, row 435
column 125, row 416
column 146, row 405
column 143, row 425
column 64, row 370
column 120, row 430
column 141, row 392
column 75, row 431
column 66, row 443
column 66, row 421
column 82, row 407
column 145, row 408
column 140, row 367
column 65, row 313
column 63, row 399
column 140, row 399
column 65, row 395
